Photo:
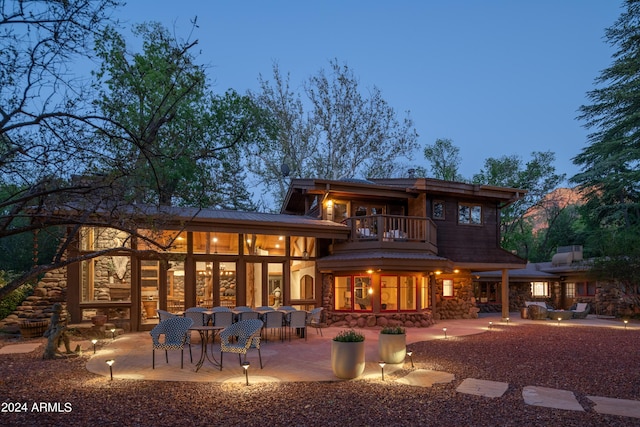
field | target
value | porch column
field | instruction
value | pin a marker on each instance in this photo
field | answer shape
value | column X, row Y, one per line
column 505, row 293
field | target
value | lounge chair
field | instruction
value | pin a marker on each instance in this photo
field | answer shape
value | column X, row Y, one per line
column 580, row 310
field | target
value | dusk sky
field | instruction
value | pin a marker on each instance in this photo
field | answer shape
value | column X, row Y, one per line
column 498, row 77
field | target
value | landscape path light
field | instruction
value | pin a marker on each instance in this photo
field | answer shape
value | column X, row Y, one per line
column 94, row 341
column 113, row 333
column 381, row 363
column 245, row 366
column 110, row 363
column 445, row 332
column 410, row 354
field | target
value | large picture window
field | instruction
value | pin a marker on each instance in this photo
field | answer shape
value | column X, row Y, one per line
column 353, row 293
column 398, row 293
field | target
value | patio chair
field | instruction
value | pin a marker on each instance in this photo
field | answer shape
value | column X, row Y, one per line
column 246, row 315
column 222, row 318
column 246, row 334
column 164, row 315
column 220, row 308
column 297, row 320
column 314, row 320
column 265, row 308
column 175, row 332
column 580, row 310
column 273, row 320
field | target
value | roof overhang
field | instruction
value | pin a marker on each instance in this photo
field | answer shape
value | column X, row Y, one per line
column 383, row 260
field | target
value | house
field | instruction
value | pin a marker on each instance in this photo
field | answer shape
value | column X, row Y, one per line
column 561, row 282
column 368, row 251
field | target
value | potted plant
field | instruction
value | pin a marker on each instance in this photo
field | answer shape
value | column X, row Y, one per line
column 347, row 354
column 392, row 344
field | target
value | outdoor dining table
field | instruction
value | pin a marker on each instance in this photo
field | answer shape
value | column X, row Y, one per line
column 206, row 332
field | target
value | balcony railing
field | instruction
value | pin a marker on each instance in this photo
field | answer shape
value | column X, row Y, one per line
column 392, row 228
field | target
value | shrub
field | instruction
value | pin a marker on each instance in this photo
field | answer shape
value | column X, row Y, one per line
column 15, row 298
column 349, row 336
column 393, row 330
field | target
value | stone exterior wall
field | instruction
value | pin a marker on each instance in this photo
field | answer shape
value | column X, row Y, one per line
column 461, row 306
column 50, row 290
column 372, row 320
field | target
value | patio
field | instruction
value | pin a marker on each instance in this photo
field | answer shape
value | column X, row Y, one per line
column 288, row 361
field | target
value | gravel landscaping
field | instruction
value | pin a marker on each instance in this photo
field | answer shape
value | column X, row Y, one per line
column 590, row 361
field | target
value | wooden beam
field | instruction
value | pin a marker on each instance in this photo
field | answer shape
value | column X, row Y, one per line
column 505, row 293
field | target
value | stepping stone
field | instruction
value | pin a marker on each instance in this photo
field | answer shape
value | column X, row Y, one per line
column 426, row 378
column 482, row 387
column 551, row 398
column 19, row 348
column 610, row 406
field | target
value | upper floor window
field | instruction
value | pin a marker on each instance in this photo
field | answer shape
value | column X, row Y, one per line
column 340, row 211
column 469, row 214
column 438, row 209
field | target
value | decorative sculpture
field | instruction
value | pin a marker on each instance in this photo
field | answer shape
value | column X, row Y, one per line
column 56, row 334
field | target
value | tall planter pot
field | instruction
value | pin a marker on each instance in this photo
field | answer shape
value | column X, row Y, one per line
column 392, row 348
column 347, row 359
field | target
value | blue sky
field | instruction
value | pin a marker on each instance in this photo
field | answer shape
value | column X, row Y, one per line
column 498, row 77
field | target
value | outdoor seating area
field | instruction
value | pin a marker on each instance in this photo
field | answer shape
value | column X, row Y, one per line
column 538, row 310
column 240, row 329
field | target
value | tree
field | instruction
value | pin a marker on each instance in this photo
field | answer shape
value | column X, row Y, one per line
column 445, row 160
column 169, row 129
column 610, row 163
column 44, row 113
column 537, row 177
column 345, row 133
column 292, row 136
column 69, row 162
column 359, row 135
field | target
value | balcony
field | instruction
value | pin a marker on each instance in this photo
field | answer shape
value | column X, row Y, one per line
column 390, row 232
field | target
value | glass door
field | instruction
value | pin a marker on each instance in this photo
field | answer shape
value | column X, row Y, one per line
column 149, row 290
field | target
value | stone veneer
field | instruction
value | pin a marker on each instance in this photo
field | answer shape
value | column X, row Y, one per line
column 51, row 289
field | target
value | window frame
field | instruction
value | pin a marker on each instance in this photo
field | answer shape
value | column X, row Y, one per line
column 443, row 215
column 464, row 219
column 447, row 284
